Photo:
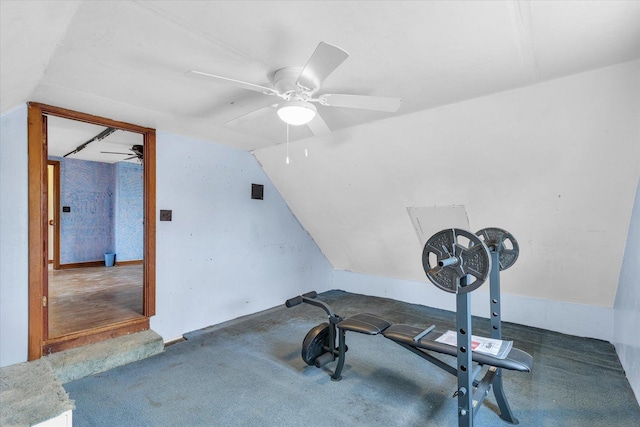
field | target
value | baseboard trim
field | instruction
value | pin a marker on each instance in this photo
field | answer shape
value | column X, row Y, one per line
column 98, row 264
column 82, row 264
column 132, row 262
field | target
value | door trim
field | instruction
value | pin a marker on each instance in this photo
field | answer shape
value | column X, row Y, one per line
column 56, row 212
column 38, row 229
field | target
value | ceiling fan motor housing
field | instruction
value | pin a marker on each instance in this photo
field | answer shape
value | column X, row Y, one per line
column 284, row 81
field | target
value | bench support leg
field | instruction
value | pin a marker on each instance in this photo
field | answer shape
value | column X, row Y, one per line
column 496, row 332
column 501, row 399
column 464, row 360
column 337, row 374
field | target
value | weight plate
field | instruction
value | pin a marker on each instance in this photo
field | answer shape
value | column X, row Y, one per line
column 315, row 343
column 452, row 254
column 495, row 239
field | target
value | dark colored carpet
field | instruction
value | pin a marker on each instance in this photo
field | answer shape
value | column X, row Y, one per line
column 249, row 372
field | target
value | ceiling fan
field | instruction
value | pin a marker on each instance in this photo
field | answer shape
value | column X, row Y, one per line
column 298, row 88
column 137, row 150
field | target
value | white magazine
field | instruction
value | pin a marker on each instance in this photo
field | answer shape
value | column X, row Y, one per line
column 490, row 346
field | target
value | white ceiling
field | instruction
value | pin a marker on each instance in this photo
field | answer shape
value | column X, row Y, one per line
column 539, row 161
column 65, row 136
column 126, row 60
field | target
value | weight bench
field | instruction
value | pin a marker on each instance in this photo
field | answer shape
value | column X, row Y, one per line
column 456, row 265
column 405, row 335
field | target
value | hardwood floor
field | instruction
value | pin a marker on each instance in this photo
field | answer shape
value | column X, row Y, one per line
column 92, row 297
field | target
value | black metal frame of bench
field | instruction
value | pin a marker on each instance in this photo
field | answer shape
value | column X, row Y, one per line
column 421, row 342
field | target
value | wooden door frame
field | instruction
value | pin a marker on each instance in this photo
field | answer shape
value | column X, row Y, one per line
column 56, row 212
column 39, row 343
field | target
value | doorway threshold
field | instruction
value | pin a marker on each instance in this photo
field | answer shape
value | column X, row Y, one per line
column 73, row 364
column 95, row 335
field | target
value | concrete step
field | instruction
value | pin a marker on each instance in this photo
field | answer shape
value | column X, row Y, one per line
column 30, row 394
column 76, row 363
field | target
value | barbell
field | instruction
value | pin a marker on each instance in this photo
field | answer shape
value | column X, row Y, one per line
column 459, row 261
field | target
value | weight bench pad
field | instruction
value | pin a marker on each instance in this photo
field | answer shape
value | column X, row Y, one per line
column 516, row 360
column 364, row 323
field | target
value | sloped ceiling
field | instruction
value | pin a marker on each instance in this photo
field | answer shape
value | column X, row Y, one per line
column 126, row 60
column 492, row 118
column 556, row 164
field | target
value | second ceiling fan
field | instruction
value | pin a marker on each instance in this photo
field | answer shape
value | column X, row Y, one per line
column 298, row 88
column 136, row 151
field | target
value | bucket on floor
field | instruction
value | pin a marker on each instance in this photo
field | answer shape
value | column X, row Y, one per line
column 109, row 259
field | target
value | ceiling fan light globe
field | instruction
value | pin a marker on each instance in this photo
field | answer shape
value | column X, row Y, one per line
column 297, row 113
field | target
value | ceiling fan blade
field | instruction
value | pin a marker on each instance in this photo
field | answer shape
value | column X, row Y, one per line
column 115, row 152
column 324, row 60
column 377, row 103
column 318, row 126
column 132, row 157
column 232, row 82
column 255, row 114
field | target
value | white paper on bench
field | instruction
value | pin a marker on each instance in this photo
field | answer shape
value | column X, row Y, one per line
column 493, row 347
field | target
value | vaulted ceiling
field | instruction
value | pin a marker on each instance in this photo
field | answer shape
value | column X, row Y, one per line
column 522, row 113
column 126, row 60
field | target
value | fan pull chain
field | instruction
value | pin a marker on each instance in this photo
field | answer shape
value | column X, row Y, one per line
column 287, row 143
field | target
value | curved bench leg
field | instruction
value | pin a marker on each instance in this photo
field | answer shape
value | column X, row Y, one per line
column 498, row 391
column 337, row 374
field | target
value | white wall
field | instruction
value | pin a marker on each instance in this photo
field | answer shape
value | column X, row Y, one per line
column 224, row 255
column 14, row 233
column 626, row 336
column 565, row 317
column 555, row 164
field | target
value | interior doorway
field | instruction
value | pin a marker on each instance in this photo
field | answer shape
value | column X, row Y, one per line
column 100, row 188
column 44, row 238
